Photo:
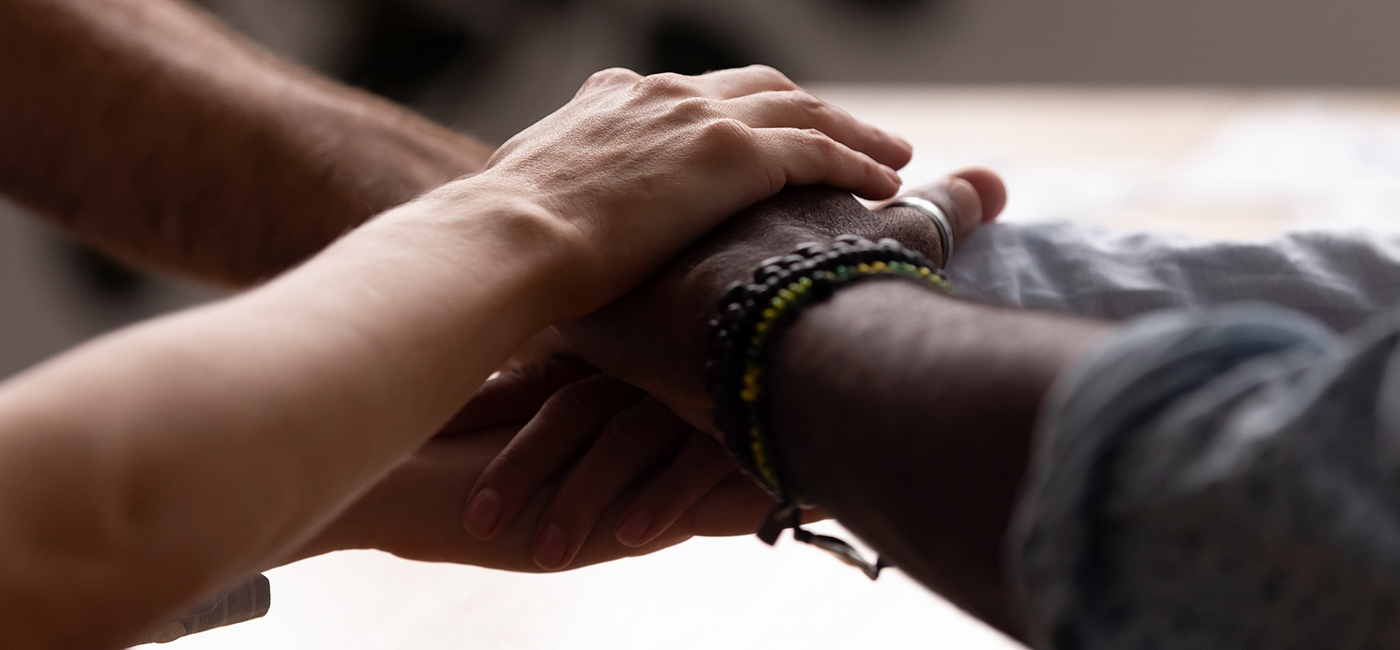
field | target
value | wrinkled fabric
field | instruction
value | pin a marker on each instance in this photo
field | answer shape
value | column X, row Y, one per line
column 1212, row 476
column 1340, row 279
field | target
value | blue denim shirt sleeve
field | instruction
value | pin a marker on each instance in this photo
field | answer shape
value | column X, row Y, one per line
column 1225, row 479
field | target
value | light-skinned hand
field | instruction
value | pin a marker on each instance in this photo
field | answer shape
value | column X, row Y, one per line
column 635, row 168
column 602, row 439
column 416, row 511
column 605, row 434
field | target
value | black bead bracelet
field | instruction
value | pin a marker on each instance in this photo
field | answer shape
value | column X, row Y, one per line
column 752, row 319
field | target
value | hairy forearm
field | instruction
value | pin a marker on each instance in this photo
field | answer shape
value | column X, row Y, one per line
column 150, row 466
column 147, row 128
column 909, row 415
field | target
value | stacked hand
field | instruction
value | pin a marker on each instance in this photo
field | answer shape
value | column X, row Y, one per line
column 326, row 384
column 554, row 464
column 416, row 511
column 636, row 168
column 654, row 336
column 630, row 464
column 598, row 439
column 575, row 211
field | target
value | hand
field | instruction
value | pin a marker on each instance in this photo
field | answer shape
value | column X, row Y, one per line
column 654, row 337
column 605, row 439
column 636, row 168
column 545, row 344
column 416, row 511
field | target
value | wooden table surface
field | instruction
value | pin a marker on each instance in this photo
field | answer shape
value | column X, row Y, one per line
column 1217, row 163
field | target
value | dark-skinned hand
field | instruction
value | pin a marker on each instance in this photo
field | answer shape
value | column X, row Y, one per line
column 654, row 337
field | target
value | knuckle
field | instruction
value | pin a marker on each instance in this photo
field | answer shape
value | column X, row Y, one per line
column 692, row 109
column 772, row 76
column 806, row 101
column 728, row 134
column 632, row 434
column 610, row 76
column 508, row 468
column 668, row 495
column 664, row 84
column 558, row 370
column 713, row 459
column 582, row 396
column 602, row 79
column 547, row 374
column 820, row 142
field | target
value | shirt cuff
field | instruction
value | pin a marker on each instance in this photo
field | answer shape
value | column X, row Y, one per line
column 1092, row 413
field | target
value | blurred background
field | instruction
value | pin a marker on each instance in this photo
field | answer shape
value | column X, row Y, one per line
column 1231, row 118
column 492, row 67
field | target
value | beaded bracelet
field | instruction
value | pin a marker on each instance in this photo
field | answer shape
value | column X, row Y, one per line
column 752, row 319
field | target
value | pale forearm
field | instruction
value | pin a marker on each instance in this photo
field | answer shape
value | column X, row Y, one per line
column 183, row 453
column 908, row 416
column 150, row 130
column 179, row 454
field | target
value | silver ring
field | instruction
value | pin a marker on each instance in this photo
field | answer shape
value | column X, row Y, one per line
column 939, row 219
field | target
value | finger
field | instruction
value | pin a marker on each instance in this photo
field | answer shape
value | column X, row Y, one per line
column 990, row 189
column 701, row 464
column 636, row 440
column 810, row 157
column 546, row 343
column 736, row 506
column 801, row 109
column 565, row 425
column 516, row 394
column 960, row 201
column 737, row 82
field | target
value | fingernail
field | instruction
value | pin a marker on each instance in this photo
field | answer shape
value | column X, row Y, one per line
column 483, row 512
column 550, row 548
column 633, row 529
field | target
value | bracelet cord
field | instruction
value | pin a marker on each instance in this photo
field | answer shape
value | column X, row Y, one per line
column 753, row 318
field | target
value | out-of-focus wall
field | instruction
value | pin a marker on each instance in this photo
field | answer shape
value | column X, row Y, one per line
column 54, row 294
column 492, row 67
column 518, row 59
column 1252, row 42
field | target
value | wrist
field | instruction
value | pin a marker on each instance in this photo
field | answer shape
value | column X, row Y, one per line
column 756, row 314
column 776, row 228
column 484, row 227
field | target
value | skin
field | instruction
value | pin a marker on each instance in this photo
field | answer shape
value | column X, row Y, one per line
column 653, row 338
column 628, row 339
column 676, row 454
column 148, row 129
column 125, row 463
column 909, row 416
column 904, row 413
column 413, row 512
column 609, row 444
